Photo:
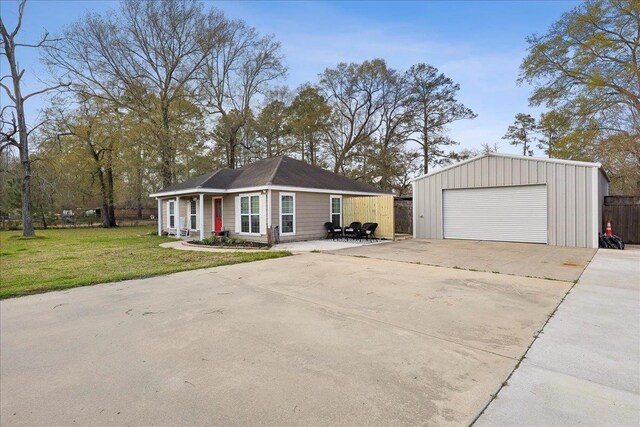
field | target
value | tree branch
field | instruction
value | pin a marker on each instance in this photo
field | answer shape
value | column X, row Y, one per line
column 48, row 89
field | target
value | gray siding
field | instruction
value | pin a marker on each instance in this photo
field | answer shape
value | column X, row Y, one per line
column 603, row 190
column 312, row 211
column 571, row 199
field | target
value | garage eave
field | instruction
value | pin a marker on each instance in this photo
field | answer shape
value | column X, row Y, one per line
column 515, row 156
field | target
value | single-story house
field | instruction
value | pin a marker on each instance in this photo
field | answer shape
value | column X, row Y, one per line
column 512, row 198
column 282, row 192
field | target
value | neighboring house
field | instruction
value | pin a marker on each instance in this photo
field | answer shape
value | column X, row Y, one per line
column 282, row 192
column 512, row 198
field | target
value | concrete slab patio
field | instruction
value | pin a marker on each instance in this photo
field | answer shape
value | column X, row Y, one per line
column 312, row 339
column 584, row 369
column 521, row 259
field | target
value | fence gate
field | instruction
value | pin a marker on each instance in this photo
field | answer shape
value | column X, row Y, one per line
column 403, row 212
column 624, row 213
column 370, row 209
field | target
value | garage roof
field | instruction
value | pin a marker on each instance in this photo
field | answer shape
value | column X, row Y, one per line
column 515, row 156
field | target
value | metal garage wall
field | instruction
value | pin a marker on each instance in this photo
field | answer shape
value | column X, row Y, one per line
column 572, row 194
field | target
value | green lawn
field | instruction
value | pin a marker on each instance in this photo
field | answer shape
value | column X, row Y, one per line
column 66, row 258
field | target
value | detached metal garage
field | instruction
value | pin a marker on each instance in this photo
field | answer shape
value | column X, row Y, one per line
column 513, row 199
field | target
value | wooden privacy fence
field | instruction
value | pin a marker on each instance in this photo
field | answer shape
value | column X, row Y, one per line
column 370, row 209
column 403, row 212
column 624, row 213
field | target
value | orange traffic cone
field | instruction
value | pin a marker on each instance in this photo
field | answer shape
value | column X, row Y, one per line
column 609, row 231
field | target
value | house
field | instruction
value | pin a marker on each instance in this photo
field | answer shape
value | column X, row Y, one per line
column 513, row 199
column 282, row 192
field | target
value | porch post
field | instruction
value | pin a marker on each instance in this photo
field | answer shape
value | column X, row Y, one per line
column 159, row 217
column 201, row 216
column 177, row 213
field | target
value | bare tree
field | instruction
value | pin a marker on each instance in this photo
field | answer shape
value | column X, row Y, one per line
column 238, row 69
column 14, row 131
column 143, row 59
column 358, row 94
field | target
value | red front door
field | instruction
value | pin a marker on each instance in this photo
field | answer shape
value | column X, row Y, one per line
column 217, row 215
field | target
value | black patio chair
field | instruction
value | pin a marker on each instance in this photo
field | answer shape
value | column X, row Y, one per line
column 368, row 231
column 352, row 230
column 332, row 230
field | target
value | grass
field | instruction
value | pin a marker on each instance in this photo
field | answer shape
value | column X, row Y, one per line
column 66, row 258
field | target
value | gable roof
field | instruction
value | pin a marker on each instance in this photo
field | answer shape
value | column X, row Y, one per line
column 281, row 171
column 516, row 156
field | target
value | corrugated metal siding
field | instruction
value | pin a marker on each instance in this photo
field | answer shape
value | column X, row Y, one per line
column 603, row 190
column 570, row 199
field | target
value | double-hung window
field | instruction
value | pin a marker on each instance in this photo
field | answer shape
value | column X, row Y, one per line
column 193, row 216
column 336, row 210
column 287, row 213
column 250, row 214
column 172, row 214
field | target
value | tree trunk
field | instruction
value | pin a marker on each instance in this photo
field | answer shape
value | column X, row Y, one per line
column 110, row 198
column 104, row 214
column 425, row 147
column 44, row 218
column 139, row 184
column 27, row 219
column 165, row 151
column 339, row 163
column 231, row 161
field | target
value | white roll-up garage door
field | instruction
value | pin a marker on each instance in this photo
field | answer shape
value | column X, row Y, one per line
column 509, row 214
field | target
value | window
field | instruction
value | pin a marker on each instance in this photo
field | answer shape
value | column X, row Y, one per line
column 336, row 210
column 250, row 214
column 287, row 213
column 172, row 214
column 193, row 216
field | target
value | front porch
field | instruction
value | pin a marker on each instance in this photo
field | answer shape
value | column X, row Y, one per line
column 191, row 216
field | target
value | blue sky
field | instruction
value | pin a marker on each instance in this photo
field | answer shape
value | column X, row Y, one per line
column 479, row 44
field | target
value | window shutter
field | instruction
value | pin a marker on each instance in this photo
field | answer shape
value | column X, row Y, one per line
column 263, row 214
column 237, row 207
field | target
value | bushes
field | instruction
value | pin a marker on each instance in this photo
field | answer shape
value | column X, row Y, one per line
column 229, row 242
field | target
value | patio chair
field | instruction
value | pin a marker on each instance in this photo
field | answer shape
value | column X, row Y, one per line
column 368, row 230
column 352, row 230
column 184, row 230
column 332, row 230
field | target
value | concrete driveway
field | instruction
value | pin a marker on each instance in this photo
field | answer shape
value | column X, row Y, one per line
column 584, row 369
column 313, row 339
column 520, row 259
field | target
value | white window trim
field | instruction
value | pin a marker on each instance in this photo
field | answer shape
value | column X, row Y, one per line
column 331, row 197
column 293, row 195
column 240, row 196
column 171, row 215
column 192, row 226
column 213, row 213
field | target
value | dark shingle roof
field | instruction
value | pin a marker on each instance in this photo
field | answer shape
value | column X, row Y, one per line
column 279, row 171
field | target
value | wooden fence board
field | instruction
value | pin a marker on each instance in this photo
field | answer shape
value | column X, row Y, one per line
column 624, row 213
column 370, row 209
column 403, row 211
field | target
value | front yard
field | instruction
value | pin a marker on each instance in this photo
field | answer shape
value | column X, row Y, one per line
column 66, row 258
